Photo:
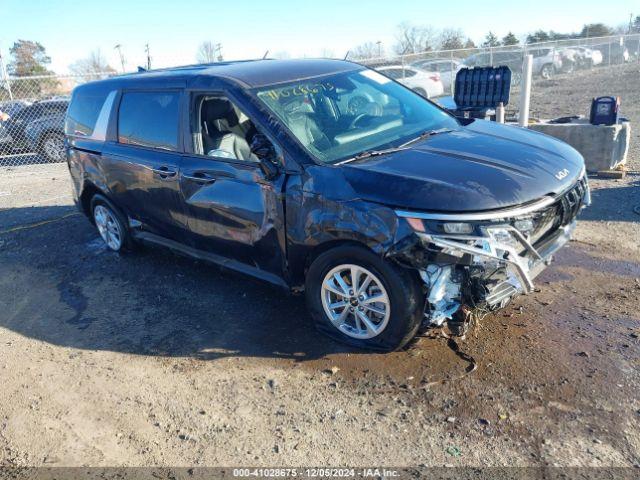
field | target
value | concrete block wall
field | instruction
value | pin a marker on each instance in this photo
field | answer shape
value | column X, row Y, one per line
column 603, row 147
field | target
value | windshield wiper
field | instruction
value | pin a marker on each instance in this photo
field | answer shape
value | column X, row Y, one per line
column 426, row 134
column 372, row 153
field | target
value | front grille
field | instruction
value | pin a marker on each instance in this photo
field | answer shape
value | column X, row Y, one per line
column 560, row 213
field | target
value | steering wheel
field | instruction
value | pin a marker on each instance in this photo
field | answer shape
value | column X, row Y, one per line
column 357, row 104
column 357, row 119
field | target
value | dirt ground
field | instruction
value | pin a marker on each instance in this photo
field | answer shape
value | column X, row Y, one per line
column 154, row 359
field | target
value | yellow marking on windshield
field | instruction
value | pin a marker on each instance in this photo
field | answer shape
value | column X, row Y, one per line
column 299, row 90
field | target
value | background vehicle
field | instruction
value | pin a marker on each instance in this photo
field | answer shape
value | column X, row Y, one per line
column 546, row 62
column 427, row 84
column 513, row 60
column 588, row 57
column 388, row 215
column 613, row 53
column 46, row 136
column 569, row 58
column 16, row 125
column 447, row 68
column 7, row 110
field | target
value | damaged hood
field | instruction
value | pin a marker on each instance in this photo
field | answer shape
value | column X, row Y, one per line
column 481, row 166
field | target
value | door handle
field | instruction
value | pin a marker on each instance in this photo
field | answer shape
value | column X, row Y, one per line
column 200, row 177
column 164, row 172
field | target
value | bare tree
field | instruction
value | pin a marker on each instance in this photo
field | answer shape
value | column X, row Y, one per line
column 414, row 38
column 364, row 51
column 92, row 67
column 209, row 52
column 451, row 39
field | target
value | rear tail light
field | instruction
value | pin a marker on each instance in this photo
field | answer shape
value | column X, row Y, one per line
column 435, row 77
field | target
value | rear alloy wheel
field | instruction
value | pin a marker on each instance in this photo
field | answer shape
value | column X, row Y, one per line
column 111, row 224
column 52, row 147
column 108, row 227
column 359, row 298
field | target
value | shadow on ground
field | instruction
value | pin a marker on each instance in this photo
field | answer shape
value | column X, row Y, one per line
column 59, row 284
column 606, row 204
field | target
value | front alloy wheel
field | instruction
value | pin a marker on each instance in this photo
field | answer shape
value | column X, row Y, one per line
column 355, row 301
column 108, row 227
column 358, row 297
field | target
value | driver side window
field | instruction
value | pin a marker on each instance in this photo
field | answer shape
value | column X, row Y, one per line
column 220, row 129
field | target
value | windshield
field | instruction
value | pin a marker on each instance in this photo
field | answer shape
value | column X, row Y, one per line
column 338, row 116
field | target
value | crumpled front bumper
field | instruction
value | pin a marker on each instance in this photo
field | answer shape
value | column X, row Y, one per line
column 522, row 264
column 500, row 256
column 515, row 262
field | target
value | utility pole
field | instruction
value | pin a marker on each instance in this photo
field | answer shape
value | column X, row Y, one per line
column 119, row 48
column 4, row 76
column 218, row 50
column 379, row 43
column 630, row 22
column 147, row 51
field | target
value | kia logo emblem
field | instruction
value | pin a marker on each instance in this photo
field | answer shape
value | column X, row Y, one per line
column 562, row 173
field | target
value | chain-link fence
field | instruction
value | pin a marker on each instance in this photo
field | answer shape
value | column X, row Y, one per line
column 32, row 109
column 433, row 72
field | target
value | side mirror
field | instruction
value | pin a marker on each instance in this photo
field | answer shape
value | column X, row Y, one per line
column 269, row 168
column 262, row 148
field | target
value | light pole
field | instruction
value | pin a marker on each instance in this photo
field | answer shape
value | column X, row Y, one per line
column 147, row 51
column 119, row 48
column 379, row 43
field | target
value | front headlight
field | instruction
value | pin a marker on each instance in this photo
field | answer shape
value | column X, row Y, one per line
column 440, row 227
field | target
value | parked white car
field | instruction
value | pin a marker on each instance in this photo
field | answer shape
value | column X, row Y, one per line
column 427, row 84
column 446, row 67
column 589, row 57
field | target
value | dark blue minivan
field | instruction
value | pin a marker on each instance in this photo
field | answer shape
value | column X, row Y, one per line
column 326, row 177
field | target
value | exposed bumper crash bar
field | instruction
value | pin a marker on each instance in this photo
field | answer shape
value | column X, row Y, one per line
column 493, row 247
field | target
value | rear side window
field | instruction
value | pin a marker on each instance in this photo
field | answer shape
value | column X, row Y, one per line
column 83, row 112
column 149, row 119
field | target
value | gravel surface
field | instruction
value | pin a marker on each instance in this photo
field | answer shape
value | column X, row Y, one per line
column 154, row 359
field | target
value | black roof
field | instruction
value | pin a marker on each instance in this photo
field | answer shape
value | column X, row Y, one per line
column 248, row 73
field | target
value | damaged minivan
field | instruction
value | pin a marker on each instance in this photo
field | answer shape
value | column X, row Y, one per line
column 326, row 177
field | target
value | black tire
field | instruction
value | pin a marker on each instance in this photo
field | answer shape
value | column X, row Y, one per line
column 403, row 287
column 547, row 71
column 422, row 92
column 46, row 151
column 127, row 243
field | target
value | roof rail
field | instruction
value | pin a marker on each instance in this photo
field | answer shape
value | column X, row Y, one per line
column 199, row 66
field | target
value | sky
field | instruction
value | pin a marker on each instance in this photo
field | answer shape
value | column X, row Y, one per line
column 70, row 29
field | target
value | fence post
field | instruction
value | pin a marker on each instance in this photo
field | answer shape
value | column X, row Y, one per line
column 525, row 92
column 452, row 77
column 500, row 113
column 609, row 52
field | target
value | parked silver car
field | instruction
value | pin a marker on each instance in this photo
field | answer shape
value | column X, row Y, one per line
column 546, row 62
